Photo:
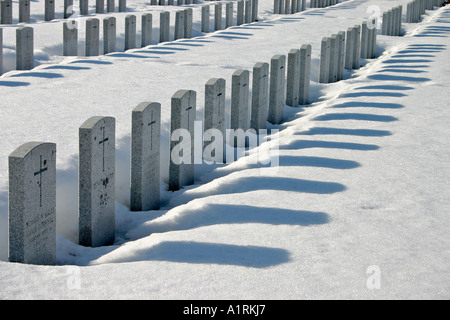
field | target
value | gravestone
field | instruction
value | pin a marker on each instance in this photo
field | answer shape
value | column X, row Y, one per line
column 1, row 51
column 188, row 16
column 6, row 12
column 218, row 16
column 302, row 5
column 399, row 21
column 287, row 6
column 145, row 157
column 70, row 38
column 277, row 89
column 248, row 11
column 49, row 10
column 205, row 18
column 32, row 204
column 24, row 48
column 305, row 74
column 364, row 40
column 84, row 7
column 164, row 26
column 97, row 182
column 239, row 118
column 122, row 5
column 24, row 11
column 324, row 60
column 68, row 8
column 384, row 26
column 179, row 24
column 181, row 167
column 260, row 96
column 240, row 12
column 276, row 6
column 356, row 46
column 293, row 7
column 214, row 120
column 341, row 55
column 99, row 6
column 349, row 49
column 109, row 35
column 293, row 78
column 395, row 21
column 254, row 10
column 373, row 43
column 146, row 26
column 228, row 14
column 334, row 56
column 110, row 5
column 130, row 32
column 92, row 37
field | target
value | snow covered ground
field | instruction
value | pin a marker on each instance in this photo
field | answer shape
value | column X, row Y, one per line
column 359, row 205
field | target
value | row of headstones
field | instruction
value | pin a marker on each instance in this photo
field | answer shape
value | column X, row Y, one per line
column 323, row 3
column 392, row 22
column 288, row 6
column 6, row 9
column 32, row 166
column 183, row 29
column 343, row 50
column 416, row 8
column 247, row 12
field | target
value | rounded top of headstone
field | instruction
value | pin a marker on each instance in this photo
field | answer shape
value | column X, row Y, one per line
column 27, row 147
column 93, row 121
column 144, row 105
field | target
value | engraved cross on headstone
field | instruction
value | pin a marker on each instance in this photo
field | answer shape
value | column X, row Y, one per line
column 151, row 130
column 103, row 141
column 188, row 112
column 42, row 169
